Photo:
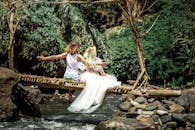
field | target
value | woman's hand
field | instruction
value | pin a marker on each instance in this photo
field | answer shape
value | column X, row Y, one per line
column 41, row 58
column 104, row 63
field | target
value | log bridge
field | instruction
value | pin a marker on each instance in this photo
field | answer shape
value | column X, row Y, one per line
column 59, row 83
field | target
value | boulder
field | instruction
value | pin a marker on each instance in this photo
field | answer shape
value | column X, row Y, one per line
column 14, row 98
column 27, row 100
column 8, row 110
column 122, row 124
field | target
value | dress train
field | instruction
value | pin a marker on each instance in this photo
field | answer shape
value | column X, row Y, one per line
column 92, row 95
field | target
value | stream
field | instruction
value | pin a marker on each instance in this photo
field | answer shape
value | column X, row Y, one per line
column 55, row 116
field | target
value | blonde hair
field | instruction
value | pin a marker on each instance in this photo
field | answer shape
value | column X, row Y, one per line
column 90, row 53
column 72, row 47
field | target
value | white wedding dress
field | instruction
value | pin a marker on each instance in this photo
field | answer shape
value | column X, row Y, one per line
column 92, row 95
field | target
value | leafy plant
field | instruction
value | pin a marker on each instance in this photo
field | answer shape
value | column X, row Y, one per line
column 4, row 38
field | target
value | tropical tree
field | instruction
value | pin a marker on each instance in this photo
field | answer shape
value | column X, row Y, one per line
column 13, row 21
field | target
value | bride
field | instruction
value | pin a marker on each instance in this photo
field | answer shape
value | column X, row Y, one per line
column 97, row 82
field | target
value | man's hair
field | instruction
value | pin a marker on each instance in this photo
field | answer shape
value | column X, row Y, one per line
column 72, row 47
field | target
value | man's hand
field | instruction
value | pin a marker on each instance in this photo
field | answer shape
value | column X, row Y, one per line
column 41, row 58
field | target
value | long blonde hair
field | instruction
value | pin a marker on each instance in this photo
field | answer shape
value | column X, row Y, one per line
column 72, row 47
column 90, row 53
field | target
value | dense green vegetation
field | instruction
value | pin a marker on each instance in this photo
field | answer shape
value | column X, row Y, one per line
column 169, row 47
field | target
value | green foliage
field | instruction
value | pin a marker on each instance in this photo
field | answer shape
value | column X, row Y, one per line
column 193, row 81
column 168, row 47
column 103, row 15
column 75, row 28
column 38, row 34
column 124, row 62
column 4, row 37
column 47, row 30
column 80, row 29
column 77, row 25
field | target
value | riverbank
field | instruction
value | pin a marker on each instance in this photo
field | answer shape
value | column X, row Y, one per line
column 154, row 113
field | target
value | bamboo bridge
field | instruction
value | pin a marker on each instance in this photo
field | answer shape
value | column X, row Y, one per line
column 60, row 83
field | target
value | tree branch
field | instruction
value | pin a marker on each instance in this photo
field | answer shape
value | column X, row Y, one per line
column 125, row 13
column 144, row 5
column 18, row 20
column 151, row 26
column 10, row 22
column 63, row 2
column 75, row 2
column 3, row 4
column 149, row 7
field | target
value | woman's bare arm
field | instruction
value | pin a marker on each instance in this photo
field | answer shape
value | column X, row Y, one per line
column 101, row 62
column 53, row 57
column 81, row 59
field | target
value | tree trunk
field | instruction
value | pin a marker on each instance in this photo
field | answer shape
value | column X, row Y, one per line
column 11, row 43
column 164, row 92
column 128, row 10
column 12, row 27
column 11, row 53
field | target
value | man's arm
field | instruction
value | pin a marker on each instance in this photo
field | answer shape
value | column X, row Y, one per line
column 53, row 57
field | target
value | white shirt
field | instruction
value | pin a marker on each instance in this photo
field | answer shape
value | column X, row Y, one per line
column 72, row 67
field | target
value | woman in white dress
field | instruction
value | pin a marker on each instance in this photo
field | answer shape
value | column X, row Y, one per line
column 97, row 83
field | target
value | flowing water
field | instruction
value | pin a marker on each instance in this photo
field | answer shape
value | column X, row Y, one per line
column 56, row 117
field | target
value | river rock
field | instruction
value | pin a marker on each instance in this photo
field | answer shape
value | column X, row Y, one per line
column 166, row 118
column 184, row 101
column 179, row 117
column 162, row 112
column 133, row 109
column 161, row 107
column 8, row 109
column 169, row 125
column 150, row 107
column 120, row 123
column 147, row 121
column 156, row 119
column 176, row 108
column 168, row 102
column 150, row 100
column 156, row 103
column 124, row 106
column 192, row 102
column 140, row 100
column 142, row 112
column 191, row 118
